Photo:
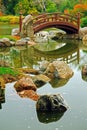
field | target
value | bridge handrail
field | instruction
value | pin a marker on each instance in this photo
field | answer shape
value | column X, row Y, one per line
column 50, row 17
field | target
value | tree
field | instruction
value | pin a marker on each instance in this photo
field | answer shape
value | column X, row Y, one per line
column 9, row 6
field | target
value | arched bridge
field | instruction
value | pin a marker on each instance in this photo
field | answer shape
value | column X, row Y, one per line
column 70, row 24
column 66, row 22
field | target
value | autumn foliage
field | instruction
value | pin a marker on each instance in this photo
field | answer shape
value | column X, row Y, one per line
column 80, row 6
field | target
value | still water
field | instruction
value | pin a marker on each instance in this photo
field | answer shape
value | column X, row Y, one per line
column 18, row 113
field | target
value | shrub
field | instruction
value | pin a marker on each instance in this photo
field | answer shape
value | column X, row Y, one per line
column 84, row 22
column 10, row 19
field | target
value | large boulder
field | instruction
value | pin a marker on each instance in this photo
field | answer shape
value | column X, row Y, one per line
column 59, row 69
column 49, row 117
column 52, row 102
column 82, row 32
column 84, row 39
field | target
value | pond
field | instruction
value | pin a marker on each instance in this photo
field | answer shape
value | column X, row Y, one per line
column 5, row 29
column 18, row 113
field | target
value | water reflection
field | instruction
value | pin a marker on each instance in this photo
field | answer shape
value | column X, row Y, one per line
column 55, row 83
column 30, row 56
column 49, row 117
column 2, row 97
column 68, row 53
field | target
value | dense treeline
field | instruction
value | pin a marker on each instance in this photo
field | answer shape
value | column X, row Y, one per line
column 14, row 7
column 37, row 6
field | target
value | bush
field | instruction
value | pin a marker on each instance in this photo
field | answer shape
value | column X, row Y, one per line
column 84, row 22
column 10, row 19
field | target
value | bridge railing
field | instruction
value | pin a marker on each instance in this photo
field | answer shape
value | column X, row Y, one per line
column 57, row 17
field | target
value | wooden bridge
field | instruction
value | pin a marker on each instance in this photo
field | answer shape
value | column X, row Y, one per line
column 70, row 24
column 66, row 22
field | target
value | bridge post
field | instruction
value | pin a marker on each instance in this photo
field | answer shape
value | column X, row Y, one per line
column 78, row 21
column 20, row 21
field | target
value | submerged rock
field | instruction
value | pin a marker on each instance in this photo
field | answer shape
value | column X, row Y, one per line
column 53, row 102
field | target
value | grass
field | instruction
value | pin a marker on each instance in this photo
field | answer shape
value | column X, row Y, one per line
column 7, row 70
column 11, row 38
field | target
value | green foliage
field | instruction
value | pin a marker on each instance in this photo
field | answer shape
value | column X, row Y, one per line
column 10, row 19
column 7, row 70
column 84, row 22
column 51, row 7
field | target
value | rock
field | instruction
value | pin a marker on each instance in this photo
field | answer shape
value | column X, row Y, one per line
column 42, row 36
column 15, row 32
column 40, row 80
column 56, row 34
column 27, row 27
column 9, row 78
column 43, row 65
column 25, row 83
column 48, row 117
column 84, row 72
column 84, row 69
column 84, row 38
column 25, row 41
column 2, row 97
column 5, row 41
column 31, row 43
column 59, row 69
column 21, row 42
column 52, row 102
column 29, row 94
column 82, row 32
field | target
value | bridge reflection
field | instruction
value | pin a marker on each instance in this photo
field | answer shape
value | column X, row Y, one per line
column 67, row 53
column 30, row 56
